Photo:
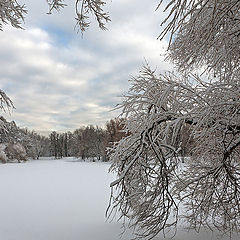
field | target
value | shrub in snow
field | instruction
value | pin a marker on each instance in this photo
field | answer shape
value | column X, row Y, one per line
column 16, row 152
column 3, row 156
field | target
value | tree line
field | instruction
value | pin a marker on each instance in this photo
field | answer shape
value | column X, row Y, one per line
column 87, row 142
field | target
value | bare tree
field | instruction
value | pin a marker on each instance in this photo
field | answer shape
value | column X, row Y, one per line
column 115, row 130
column 89, row 142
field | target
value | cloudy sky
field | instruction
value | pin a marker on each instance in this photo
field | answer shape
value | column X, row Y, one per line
column 59, row 80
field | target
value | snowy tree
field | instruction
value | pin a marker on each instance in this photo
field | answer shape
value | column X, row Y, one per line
column 151, row 186
column 5, row 104
column 89, row 142
column 99, row 143
column 54, row 140
column 3, row 156
column 12, row 152
column 16, row 152
column 34, row 144
column 206, row 34
column 5, row 101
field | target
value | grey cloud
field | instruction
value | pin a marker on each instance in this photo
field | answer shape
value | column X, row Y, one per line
column 59, row 85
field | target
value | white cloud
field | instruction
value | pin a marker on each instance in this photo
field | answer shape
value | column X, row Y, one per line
column 59, row 84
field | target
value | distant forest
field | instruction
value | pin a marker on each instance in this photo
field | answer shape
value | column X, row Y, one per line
column 88, row 142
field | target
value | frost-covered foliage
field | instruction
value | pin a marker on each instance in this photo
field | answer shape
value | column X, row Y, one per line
column 3, row 156
column 206, row 33
column 34, row 144
column 3, row 127
column 11, row 12
column 82, row 9
column 5, row 101
column 55, row 5
column 16, row 152
column 150, row 185
column 95, row 7
column 12, row 152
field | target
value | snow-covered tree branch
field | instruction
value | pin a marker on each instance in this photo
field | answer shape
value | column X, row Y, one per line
column 5, row 101
column 11, row 12
column 206, row 34
column 95, row 7
column 157, row 109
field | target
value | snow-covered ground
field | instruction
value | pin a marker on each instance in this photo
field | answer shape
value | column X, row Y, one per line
column 55, row 200
column 60, row 200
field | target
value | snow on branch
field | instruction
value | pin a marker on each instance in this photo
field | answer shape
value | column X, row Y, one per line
column 5, row 101
column 163, row 113
column 55, row 5
column 95, row 7
column 11, row 12
column 83, row 8
column 204, row 33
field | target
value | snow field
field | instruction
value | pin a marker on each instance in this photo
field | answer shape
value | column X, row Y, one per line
column 55, row 200
column 63, row 199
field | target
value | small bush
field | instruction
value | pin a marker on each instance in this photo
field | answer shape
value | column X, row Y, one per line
column 16, row 152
